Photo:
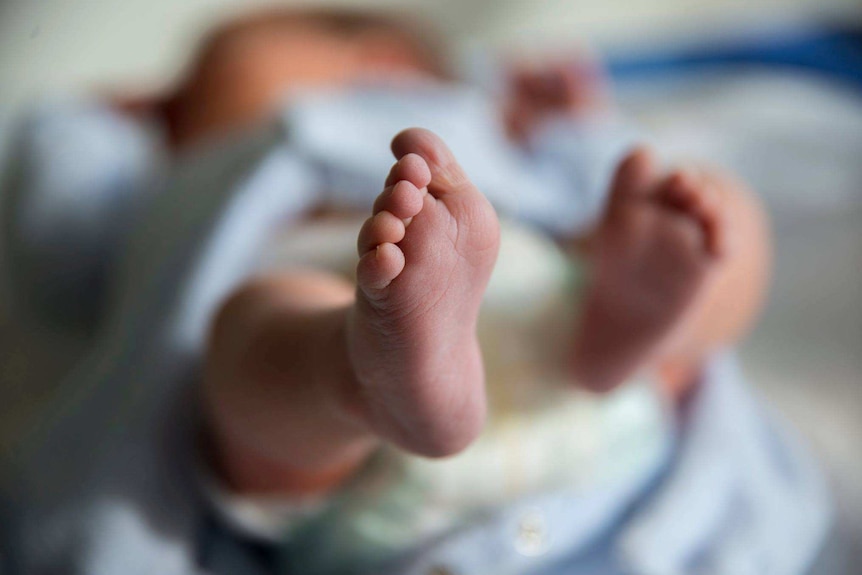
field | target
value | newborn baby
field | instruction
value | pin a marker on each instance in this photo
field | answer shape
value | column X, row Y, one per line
column 307, row 375
column 661, row 258
column 326, row 397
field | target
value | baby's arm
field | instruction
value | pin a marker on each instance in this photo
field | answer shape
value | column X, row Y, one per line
column 570, row 89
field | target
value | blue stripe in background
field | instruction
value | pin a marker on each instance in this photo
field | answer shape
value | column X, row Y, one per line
column 834, row 52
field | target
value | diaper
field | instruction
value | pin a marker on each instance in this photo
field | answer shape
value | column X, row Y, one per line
column 543, row 433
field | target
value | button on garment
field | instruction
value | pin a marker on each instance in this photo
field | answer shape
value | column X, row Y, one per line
column 532, row 537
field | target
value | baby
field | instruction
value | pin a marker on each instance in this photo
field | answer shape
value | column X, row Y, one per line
column 306, row 376
column 679, row 262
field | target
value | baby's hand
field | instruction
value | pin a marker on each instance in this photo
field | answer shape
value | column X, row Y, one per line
column 568, row 89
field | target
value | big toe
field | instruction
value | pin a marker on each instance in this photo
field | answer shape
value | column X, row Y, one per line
column 447, row 176
column 635, row 176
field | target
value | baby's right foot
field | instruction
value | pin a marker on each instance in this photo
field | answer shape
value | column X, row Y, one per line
column 426, row 256
column 658, row 243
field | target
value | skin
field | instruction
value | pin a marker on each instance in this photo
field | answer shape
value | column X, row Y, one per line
column 305, row 375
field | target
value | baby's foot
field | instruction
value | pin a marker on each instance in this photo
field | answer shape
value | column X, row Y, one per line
column 658, row 243
column 425, row 259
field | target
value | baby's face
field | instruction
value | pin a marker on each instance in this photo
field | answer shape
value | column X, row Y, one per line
column 243, row 77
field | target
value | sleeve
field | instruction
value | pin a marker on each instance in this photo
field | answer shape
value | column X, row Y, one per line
column 75, row 173
column 578, row 158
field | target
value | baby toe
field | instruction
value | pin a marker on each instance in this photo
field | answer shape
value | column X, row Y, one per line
column 411, row 167
column 711, row 213
column 378, row 267
column 681, row 190
column 694, row 195
column 403, row 199
column 383, row 227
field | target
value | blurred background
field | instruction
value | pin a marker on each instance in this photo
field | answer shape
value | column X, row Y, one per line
column 770, row 88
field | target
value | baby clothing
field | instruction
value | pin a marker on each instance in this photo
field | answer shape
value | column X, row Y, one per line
column 106, row 484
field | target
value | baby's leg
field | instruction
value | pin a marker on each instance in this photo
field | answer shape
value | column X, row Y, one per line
column 304, row 376
column 679, row 269
column 275, row 371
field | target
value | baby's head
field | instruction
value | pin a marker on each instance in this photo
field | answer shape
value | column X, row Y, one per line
column 244, row 68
